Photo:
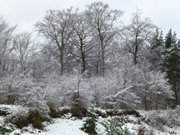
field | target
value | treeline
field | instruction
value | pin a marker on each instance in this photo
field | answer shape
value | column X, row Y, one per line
column 93, row 55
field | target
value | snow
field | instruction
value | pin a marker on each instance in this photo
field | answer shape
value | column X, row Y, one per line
column 13, row 109
column 64, row 127
column 101, row 130
column 71, row 126
column 58, row 127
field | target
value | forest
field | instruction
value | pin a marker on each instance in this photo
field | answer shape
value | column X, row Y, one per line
column 91, row 69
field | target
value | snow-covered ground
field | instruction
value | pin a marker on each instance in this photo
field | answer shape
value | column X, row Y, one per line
column 58, row 127
column 64, row 127
column 71, row 126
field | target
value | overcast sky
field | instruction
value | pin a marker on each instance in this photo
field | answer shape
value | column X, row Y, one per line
column 25, row 13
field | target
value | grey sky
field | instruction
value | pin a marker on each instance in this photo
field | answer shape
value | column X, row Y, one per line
column 25, row 13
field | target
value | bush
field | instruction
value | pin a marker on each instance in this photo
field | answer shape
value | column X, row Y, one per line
column 78, row 109
column 23, row 119
column 4, row 130
column 20, row 119
column 144, row 131
column 115, row 126
column 159, row 119
column 90, row 126
column 141, row 131
column 90, row 123
column 53, row 111
column 56, row 112
column 36, row 119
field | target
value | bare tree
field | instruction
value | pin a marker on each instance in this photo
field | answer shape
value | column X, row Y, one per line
column 138, row 35
column 23, row 47
column 102, row 21
column 6, row 46
column 82, row 40
column 57, row 27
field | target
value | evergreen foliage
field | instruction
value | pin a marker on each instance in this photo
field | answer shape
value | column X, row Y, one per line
column 172, row 63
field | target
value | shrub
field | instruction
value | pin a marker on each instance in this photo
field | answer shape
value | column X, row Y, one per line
column 115, row 126
column 78, row 109
column 159, row 119
column 23, row 119
column 20, row 119
column 141, row 131
column 36, row 119
column 90, row 126
column 55, row 111
column 144, row 131
column 90, row 123
column 4, row 130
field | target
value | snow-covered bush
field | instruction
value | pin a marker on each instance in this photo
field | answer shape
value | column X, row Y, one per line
column 135, row 87
column 21, row 116
column 18, row 115
column 90, row 126
column 116, row 126
column 156, row 90
column 101, row 87
column 161, row 119
column 32, row 95
column 5, row 130
column 67, row 90
column 60, row 89
column 143, row 131
column 23, row 119
column 19, row 119
column 129, row 87
column 26, row 92
column 78, row 108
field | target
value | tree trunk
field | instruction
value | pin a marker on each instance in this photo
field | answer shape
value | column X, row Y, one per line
column 102, row 55
column 83, row 59
column 103, row 61
column 62, row 53
column 62, row 59
column 178, row 97
column 177, row 94
column 136, row 50
column 145, row 101
column 98, row 61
